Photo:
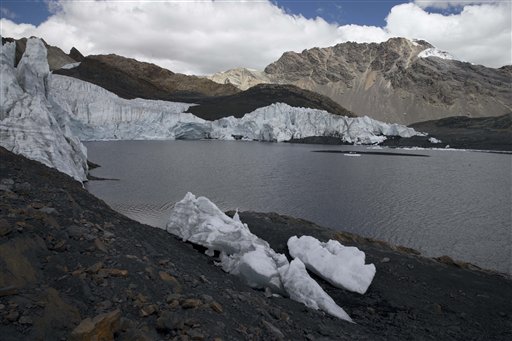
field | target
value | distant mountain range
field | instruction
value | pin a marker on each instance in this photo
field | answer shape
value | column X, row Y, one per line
column 399, row 80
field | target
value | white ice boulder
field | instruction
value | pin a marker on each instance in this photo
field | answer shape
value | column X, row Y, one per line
column 243, row 254
column 302, row 288
column 342, row 266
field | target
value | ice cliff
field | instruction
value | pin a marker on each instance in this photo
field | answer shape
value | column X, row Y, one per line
column 29, row 124
column 243, row 254
column 98, row 114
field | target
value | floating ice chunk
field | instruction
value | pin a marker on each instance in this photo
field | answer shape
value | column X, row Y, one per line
column 342, row 266
column 302, row 288
column 242, row 253
column 434, row 140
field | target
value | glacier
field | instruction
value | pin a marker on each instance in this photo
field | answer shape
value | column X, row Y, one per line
column 98, row 114
column 28, row 123
column 200, row 221
column 45, row 117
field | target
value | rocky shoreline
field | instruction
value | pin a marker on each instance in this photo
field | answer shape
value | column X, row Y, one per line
column 72, row 269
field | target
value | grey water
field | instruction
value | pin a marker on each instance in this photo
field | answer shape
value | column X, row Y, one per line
column 455, row 203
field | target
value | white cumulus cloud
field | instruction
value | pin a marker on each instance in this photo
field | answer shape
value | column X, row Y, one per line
column 209, row 36
column 453, row 3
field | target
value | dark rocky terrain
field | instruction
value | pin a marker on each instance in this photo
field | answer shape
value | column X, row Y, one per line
column 73, row 269
column 263, row 95
column 129, row 78
column 486, row 133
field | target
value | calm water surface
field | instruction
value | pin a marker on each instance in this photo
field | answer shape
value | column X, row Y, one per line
column 452, row 203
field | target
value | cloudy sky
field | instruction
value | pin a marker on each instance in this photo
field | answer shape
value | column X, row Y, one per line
column 206, row 36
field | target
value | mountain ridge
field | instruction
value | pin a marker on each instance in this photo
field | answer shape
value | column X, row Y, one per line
column 391, row 82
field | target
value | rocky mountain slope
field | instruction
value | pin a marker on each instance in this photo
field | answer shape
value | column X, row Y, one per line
column 73, row 269
column 241, row 78
column 399, row 80
column 129, row 78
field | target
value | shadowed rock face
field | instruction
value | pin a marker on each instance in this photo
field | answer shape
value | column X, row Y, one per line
column 129, row 78
column 76, row 55
column 263, row 95
column 390, row 82
column 489, row 133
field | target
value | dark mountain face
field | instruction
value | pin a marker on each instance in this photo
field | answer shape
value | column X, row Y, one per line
column 129, row 78
column 486, row 133
column 394, row 81
column 76, row 55
column 263, row 95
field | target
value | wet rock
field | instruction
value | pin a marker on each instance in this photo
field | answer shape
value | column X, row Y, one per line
column 12, row 316
column 101, row 327
column 278, row 334
column 25, row 320
column 23, row 188
column 168, row 321
column 216, row 307
column 5, row 228
column 8, row 291
column 100, row 245
column 166, row 277
column 48, row 210
column 195, row 334
column 148, row 310
column 117, row 272
column 134, row 334
column 7, row 182
column 191, row 303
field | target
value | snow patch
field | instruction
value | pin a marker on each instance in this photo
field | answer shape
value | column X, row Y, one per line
column 434, row 140
column 434, row 52
column 70, row 66
column 342, row 266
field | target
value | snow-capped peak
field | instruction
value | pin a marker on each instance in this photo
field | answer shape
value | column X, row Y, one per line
column 435, row 52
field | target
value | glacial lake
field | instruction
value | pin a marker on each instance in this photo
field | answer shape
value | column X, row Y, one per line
column 440, row 202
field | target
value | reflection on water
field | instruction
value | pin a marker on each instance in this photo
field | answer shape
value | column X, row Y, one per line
column 449, row 203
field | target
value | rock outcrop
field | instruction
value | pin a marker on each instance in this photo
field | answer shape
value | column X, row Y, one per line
column 241, row 78
column 398, row 81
